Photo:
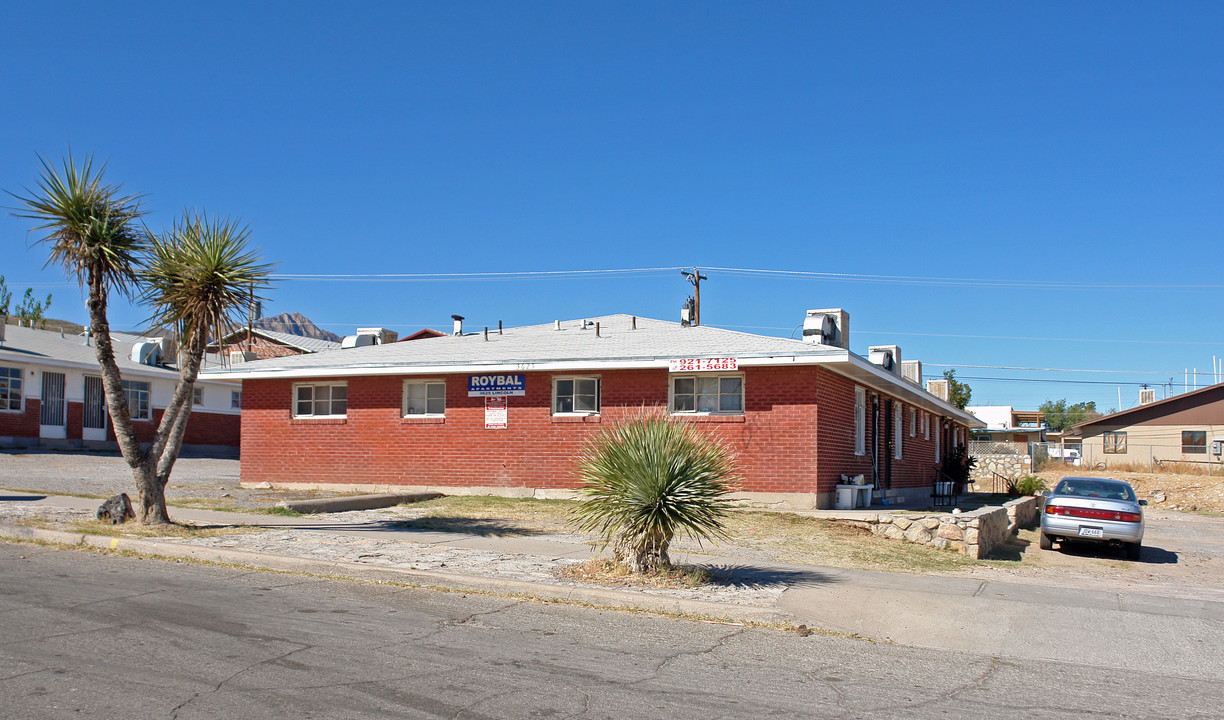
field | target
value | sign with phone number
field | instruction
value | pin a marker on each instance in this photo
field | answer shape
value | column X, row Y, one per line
column 702, row 364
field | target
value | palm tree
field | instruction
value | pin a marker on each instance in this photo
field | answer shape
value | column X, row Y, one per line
column 94, row 232
column 648, row 479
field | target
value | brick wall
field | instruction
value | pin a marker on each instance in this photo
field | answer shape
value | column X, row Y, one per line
column 203, row 428
column 795, row 436
column 22, row 424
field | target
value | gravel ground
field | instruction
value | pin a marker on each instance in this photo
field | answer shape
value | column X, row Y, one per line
column 80, row 473
column 85, row 473
column 1183, row 554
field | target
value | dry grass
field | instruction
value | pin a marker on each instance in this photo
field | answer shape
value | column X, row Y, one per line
column 130, row 529
column 763, row 535
column 534, row 516
column 1193, row 492
column 605, row 571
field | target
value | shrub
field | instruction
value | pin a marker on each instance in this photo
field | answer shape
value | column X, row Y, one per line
column 648, row 479
column 1027, row 485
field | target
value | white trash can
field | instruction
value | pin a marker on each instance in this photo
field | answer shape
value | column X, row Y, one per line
column 845, row 497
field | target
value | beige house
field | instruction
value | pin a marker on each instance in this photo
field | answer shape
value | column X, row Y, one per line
column 1184, row 428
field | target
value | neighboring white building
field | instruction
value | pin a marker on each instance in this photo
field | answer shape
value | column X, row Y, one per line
column 51, row 393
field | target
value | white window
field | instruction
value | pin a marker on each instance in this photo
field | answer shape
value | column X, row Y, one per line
column 926, row 426
column 137, row 399
column 576, row 396
column 913, row 422
column 709, row 394
column 10, row 389
column 424, row 397
column 860, row 421
column 320, row 400
column 897, row 434
column 236, row 399
column 197, row 396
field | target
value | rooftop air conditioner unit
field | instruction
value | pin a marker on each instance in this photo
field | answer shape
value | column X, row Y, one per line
column 382, row 336
column 938, row 388
column 146, row 352
column 241, row 356
column 356, row 341
column 1147, row 395
column 911, row 370
column 888, row 357
column 827, row 327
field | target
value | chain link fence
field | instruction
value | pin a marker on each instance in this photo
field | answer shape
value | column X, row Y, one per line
column 1134, row 458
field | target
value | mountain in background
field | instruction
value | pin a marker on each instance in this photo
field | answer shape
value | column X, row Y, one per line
column 296, row 324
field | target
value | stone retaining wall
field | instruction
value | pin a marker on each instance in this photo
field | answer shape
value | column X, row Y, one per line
column 974, row 533
column 1009, row 466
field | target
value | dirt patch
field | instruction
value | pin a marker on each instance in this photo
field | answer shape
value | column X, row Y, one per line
column 1163, row 490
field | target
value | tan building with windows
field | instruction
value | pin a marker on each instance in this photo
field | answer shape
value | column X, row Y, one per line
column 1184, row 428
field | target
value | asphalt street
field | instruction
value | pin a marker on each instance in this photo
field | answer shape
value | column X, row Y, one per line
column 88, row 635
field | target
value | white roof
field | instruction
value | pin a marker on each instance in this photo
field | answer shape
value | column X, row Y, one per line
column 51, row 349
column 622, row 341
column 996, row 417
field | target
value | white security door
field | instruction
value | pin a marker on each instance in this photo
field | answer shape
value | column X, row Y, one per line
column 95, row 410
column 53, row 411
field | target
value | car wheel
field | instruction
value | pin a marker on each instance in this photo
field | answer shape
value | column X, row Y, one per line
column 1133, row 550
column 1046, row 542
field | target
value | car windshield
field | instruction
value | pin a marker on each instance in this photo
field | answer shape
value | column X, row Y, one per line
column 1087, row 487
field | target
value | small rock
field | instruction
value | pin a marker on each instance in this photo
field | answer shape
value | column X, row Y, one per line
column 1158, row 496
column 262, row 486
column 802, row 631
column 226, row 495
column 117, row 510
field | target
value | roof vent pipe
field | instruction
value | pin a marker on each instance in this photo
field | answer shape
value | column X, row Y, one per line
column 486, row 333
column 458, row 324
column 499, row 332
column 596, row 329
column 556, row 325
column 635, row 322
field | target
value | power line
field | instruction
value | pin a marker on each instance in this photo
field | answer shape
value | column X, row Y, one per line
column 1013, row 367
column 965, row 282
column 798, row 274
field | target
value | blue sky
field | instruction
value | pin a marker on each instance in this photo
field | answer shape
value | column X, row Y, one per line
column 1064, row 157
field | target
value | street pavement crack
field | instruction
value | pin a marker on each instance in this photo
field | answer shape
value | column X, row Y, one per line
column 195, row 696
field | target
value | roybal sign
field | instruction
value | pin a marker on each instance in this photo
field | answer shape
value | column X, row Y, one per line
column 497, row 385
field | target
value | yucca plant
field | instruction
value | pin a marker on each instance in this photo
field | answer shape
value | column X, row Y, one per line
column 648, row 479
column 195, row 277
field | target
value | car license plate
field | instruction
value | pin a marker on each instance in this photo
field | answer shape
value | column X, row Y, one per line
column 1091, row 532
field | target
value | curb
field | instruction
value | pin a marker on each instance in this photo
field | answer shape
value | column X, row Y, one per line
column 357, row 502
column 598, row 597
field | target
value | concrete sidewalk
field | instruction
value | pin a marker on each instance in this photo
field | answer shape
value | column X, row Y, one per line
column 1122, row 630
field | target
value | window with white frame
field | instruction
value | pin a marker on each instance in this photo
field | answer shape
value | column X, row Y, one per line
column 1115, row 443
column 424, row 398
column 10, row 389
column 708, row 394
column 913, row 422
column 138, row 399
column 197, row 396
column 897, row 434
column 576, row 396
column 236, row 399
column 860, row 421
column 320, row 400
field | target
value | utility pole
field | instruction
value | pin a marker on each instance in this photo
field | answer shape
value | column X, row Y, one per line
column 695, row 278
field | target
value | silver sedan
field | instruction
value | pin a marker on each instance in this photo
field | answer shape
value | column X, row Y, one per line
column 1093, row 510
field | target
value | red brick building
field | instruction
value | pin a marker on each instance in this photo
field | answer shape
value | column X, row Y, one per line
column 51, row 394
column 799, row 414
column 263, row 344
